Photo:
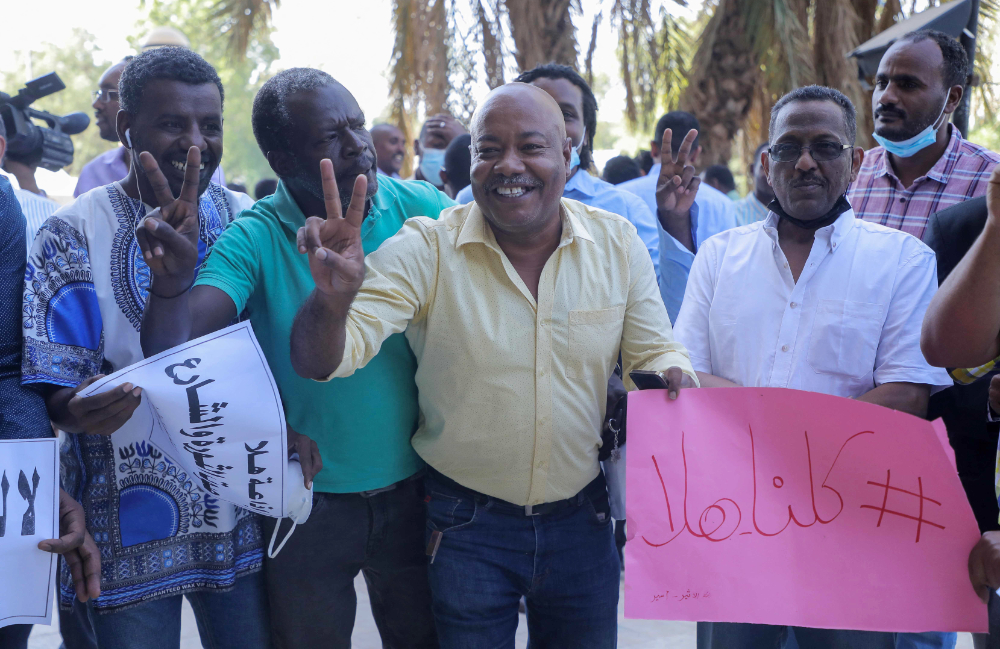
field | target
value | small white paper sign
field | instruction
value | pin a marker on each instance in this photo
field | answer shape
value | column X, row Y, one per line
column 29, row 506
column 212, row 406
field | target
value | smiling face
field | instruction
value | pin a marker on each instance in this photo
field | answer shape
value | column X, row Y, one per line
column 106, row 108
column 520, row 158
column 328, row 123
column 910, row 91
column 807, row 189
column 172, row 117
column 390, row 147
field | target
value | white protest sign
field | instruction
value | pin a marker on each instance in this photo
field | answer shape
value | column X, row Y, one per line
column 214, row 409
column 29, row 506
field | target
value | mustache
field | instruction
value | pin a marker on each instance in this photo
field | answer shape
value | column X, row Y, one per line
column 889, row 110
column 506, row 181
column 811, row 179
column 361, row 166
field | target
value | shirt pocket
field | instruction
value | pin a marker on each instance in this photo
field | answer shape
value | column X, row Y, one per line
column 593, row 339
column 845, row 337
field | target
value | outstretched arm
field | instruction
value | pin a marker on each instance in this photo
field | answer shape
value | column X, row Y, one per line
column 337, row 264
column 963, row 321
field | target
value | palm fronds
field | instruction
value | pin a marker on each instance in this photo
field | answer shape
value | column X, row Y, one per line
column 245, row 20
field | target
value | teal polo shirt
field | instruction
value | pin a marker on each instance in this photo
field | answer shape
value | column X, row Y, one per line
column 362, row 423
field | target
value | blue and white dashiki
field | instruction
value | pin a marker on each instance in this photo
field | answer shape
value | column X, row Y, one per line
column 85, row 290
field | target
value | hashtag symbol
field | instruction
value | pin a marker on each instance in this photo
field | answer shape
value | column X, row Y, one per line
column 919, row 494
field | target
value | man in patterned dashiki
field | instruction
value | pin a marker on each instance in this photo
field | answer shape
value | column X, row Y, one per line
column 160, row 536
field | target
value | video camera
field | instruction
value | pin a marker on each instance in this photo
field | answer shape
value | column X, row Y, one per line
column 51, row 146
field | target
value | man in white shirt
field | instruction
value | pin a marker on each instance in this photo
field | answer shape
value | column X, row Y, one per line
column 811, row 298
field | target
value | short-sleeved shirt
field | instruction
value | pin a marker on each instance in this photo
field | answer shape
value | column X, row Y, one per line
column 85, row 285
column 361, row 424
column 961, row 173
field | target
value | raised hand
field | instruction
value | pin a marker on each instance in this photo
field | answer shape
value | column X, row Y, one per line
column 677, row 185
column 168, row 235
column 336, row 257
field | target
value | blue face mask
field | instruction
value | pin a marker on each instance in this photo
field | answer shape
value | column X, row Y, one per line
column 431, row 162
column 574, row 154
column 915, row 144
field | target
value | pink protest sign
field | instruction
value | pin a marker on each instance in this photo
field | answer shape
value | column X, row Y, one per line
column 785, row 507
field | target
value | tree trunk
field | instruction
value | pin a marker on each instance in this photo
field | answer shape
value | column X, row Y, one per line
column 543, row 32
column 724, row 77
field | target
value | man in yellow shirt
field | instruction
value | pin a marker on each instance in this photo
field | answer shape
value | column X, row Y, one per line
column 516, row 307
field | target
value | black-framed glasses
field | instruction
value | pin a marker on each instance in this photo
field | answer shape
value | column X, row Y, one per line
column 820, row 151
column 103, row 94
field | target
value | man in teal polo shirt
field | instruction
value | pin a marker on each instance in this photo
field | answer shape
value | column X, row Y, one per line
column 367, row 510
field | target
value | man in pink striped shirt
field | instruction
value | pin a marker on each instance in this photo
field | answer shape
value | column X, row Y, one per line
column 924, row 165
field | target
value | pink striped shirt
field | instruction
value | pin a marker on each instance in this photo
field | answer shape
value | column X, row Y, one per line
column 961, row 173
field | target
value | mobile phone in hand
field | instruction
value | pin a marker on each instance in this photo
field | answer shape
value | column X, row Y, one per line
column 648, row 380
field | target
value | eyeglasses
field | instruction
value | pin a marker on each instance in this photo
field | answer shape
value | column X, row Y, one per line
column 102, row 94
column 820, row 151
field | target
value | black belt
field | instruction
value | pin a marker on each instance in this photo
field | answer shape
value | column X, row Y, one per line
column 596, row 487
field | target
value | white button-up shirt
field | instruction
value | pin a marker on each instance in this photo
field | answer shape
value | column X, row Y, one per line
column 850, row 323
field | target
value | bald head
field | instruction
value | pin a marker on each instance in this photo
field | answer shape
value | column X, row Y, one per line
column 521, row 98
column 520, row 158
column 390, row 148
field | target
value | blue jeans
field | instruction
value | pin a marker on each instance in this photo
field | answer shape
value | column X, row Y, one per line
column 233, row 619
column 751, row 636
column 927, row 640
column 732, row 635
column 564, row 563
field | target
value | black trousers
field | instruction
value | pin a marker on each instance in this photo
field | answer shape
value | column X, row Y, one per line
column 310, row 584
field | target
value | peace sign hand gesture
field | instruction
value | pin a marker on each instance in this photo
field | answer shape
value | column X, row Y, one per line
column 336, row 257
column 168, row 235
column 676, row 188
column 677, row 184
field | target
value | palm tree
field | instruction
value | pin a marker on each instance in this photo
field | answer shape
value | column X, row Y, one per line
column 747, row 54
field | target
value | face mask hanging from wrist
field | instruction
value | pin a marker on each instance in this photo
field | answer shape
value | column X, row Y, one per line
column 431, row 162
column 914, row 145
column 574, row 154
column 298, row 505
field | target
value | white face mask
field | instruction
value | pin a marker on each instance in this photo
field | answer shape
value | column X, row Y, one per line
column 298, row 504
column 912, row 146
column 574, row 154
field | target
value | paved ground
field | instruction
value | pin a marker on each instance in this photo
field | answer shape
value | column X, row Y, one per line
column 632, row 634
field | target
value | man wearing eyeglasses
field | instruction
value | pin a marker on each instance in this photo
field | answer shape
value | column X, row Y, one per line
column 810, row 298
column 112, row 165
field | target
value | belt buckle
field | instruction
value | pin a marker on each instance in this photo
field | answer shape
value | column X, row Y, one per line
column 528, row 511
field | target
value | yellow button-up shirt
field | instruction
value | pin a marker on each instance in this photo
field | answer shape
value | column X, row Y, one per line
column 512, row 392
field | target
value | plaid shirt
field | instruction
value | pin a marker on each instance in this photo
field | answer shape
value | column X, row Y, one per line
column 963, row 172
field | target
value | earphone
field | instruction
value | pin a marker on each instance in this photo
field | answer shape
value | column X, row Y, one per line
column 131, row 160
